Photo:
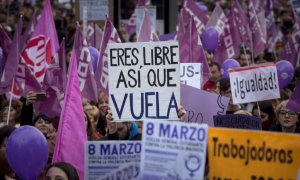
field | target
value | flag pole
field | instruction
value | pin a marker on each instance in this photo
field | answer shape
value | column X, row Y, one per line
column 10, row 100
column 244, row 49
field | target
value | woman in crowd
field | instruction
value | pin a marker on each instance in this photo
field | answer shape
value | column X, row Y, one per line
column 267, row 114
column 15, row 113
column 61, row 171
column 287, row 120
column 5, row 171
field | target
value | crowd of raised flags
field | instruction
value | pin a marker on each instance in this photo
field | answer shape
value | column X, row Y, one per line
column 33, row 62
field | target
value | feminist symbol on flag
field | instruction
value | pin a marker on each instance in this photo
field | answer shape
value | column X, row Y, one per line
column 37, row 56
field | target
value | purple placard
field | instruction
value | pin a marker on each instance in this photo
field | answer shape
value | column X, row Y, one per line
column 201, row 106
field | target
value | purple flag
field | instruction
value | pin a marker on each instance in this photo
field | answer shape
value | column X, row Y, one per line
column 229, row 41
column 147, row 32
column 54, row 85
column 257, row 23
column 87, row 83
column 11, row 63
column 101, row 75
column 242, row 24
column 200, row 112
column 217, row 19
column 71, row 135
column 294, row 101
column 42, row 45
column 199, row 17
column 5, row 43
column 191, row 50
column 94, row 35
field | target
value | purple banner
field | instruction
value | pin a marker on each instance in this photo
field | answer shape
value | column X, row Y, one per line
column 201, row 106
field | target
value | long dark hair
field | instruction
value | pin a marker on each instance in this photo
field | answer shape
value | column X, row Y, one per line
column 68, row 168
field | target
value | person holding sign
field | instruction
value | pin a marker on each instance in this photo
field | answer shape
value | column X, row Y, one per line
column 288, row 121
column 128, row 130
column 225, row 90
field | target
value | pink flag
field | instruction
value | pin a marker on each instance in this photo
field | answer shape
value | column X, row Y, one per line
column 257, row 23
column 101, row 75
column 54, row 85
column 147, row 32
column 87, row 83
column 42, row 45
column 71, row 135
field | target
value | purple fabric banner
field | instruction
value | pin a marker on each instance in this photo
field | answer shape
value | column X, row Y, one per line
column 101, row 74
column 87, row 83
column 54, row 85
column 201, row 106
column 217, row 20
column 71, row 134
column 257, row 23
column 229, row 42
column 199, row 17
column 242, row 23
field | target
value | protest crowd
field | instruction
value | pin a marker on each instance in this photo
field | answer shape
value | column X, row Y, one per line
column 76, row 97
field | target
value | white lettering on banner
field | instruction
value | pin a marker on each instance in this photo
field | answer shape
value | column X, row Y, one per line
column 191, row 74
column 221, row 23
column 104, row 75
column 199, row 25
column 254, row 83
column 295, row 38
column 228, row 42
column 83, row 66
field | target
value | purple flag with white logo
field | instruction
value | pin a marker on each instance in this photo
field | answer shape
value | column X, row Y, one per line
column 257, row 23
column 54, row 85
column 147, row 32
column 294, row 101
column 101, row 74
column 199, row 17
column 94, row 35
column 229, row 41
column 242, row 23
column 217, row 19
column 87, row 83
